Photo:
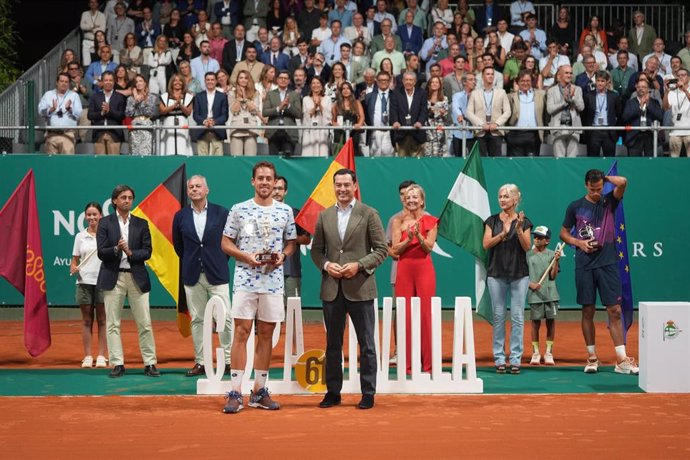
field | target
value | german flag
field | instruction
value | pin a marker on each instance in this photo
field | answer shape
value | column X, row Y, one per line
column 323, row 195
column 158, row 209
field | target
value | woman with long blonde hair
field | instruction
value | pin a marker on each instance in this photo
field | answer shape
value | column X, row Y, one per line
column 245, row 105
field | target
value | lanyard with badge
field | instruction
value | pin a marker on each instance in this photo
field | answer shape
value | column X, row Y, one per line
column 679, row 115
column 488, row 104
column 600, row 109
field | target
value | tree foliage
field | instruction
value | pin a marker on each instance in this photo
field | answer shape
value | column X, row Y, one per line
column 9, row 72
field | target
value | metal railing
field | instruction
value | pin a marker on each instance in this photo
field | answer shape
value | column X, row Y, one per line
column 464, row 130
column 13, row 103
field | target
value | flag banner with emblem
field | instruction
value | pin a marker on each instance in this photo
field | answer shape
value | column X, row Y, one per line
column 621, row 243
column 22, row 263
column 462, row 222
column 323, row 195
column 159, row 209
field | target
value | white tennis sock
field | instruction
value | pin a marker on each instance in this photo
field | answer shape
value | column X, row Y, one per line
column 236, row 377
column 591, row 351
column 620, row 353
column 260, row 377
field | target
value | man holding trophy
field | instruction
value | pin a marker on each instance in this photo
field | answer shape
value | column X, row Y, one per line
column 596, row 263
column 260, row 234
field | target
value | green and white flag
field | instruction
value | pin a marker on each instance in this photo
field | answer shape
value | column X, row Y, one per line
column 462, row 222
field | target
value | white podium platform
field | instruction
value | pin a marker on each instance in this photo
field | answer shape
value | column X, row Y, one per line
column 664, row 347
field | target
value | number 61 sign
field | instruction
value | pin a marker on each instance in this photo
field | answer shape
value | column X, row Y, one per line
column 309, row 371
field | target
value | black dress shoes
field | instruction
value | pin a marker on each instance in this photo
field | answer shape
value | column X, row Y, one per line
column 198, row 369
column 330, row 400
column 367, row 402
column 118, row 371
column 151, row 371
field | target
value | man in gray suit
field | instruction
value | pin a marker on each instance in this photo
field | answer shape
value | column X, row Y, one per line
column 348, row 245
column 255, row 13
column 282, row 108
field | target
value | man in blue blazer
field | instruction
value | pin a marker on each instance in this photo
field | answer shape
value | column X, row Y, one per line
column 377, row 113
column 411, row 36
column 123, row 242
column 275, row 56
column 197, row 231
column 409, row 109
column 210, row 140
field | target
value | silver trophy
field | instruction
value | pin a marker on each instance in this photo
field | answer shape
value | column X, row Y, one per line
column 264, row 230
column 588, row 233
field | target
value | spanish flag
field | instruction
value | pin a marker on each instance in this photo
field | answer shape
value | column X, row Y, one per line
column 323, row 195
column 158, row 209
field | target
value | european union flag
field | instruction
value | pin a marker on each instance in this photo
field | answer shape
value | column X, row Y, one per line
column 621, row 243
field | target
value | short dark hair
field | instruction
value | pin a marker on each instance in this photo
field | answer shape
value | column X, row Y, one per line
column 285, row 181
column 106, row 73
column 594, row 175
column 404, row 184
column 62, row 74
column 345, row 45
column 345, row 171
column 210, row 73
column 263, row 164
column 93, row 204
column 119, row 189
column 601, row 74
column 623, row 52
column 518, row 46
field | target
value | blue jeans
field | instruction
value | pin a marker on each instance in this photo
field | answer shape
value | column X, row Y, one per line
column 498, row 290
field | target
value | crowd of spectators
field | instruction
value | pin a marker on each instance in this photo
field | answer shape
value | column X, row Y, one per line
column 259, row 66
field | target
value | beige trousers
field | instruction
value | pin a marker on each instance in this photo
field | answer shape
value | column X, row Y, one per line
column 197, row 297
column 139, row 304
column 209, row 145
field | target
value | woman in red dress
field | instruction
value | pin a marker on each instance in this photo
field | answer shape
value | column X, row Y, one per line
column 415, row 231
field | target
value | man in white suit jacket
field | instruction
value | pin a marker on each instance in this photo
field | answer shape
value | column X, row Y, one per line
column 564, row 103
column 489, row 108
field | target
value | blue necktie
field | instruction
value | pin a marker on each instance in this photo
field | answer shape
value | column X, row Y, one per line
column 384, row 103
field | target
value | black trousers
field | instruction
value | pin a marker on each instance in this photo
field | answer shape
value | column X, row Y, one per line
column 280, row 143
column 490, row 145
column 523, row 143
column 642, row 145
column 456, row 146
column 597, row 140
column 362, row 315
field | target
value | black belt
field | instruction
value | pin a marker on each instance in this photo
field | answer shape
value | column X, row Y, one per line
column 125, row 270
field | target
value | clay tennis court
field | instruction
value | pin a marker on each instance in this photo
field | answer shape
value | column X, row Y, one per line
column 610, row 425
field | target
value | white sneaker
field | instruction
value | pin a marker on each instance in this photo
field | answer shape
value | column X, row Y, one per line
column 627, row 366
column 101, row 361
column 536, row 359
column 592, row 366
column 548, row 359
column 87, row 362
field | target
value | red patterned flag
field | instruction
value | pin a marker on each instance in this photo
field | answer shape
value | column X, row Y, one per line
column 323, row 195
column 22, row 262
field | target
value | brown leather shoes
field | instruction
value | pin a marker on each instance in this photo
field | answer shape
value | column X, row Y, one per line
column 197, row 370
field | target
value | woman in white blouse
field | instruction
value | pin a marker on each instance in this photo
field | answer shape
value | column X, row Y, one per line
column 158, row 60
column 316, row 111
column 86, row 265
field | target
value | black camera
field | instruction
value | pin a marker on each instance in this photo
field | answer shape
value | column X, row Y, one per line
column 59, row 113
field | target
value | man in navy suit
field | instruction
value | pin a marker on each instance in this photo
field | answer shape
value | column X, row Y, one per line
column 197, row 231
column 409, row 109
column 602, row 108
column 642, row 110
column 411, row 36
column 378, row 107
column 123, row 242
column 210, row 110
column 235, row 50
column 275, row 56
column 487, row 16
column 107, row 108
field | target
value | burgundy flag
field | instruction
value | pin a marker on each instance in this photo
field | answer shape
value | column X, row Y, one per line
column 22, row 262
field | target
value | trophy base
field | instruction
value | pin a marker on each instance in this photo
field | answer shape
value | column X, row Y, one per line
column 267, row 258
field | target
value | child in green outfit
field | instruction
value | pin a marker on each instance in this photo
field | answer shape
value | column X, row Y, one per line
column 542, row 298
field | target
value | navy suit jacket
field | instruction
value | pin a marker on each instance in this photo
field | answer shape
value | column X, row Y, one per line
column 230, row 52
column 418, row 112
column 220, row 113
column 480, row 22
column 194, row 253
column 369, row 109
column 632, row 114
column 411, row 43
column 107, row 236
column 114, row 116
column 283, row 61
column 613, row 111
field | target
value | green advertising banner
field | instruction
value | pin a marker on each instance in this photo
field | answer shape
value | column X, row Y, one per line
column 658, row 248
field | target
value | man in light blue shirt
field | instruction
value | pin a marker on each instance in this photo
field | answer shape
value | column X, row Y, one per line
column 340, row 13
column 527, row 112
column 330, row 47
column 61, row 107
column 535, row 37
column 203, row 63
column 458, row 111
